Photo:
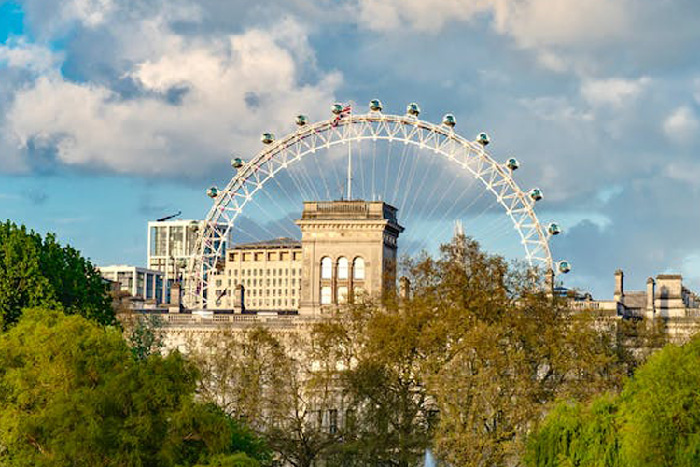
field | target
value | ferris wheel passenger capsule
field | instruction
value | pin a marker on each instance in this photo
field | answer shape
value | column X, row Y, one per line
column 536, row 194
column 375, row 105
column 337, row 108
column 413, row 109
column 449, row 120
column 564, row 267
column 301, row 120
column 554, row 229
column 236, row 162
column 483, row 139
column 267, row 138
column 512, row 163
column 213, row 192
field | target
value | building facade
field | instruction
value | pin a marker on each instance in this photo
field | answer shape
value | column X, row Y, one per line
column 347, row 249
column 141, row 283
column 260, row 276
column 171, row 244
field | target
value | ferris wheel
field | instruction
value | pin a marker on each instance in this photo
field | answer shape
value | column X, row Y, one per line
column 346, row 128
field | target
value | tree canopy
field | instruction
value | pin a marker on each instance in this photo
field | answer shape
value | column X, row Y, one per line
column 73, row 393
column 465, row 365
column 655, row 421
column 36, row 271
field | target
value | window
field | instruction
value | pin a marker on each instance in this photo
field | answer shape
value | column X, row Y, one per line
column 359, row 269
column 326, row 268
column 333, row 421
column 325, row 295
column 342, row 294
column 342, row 268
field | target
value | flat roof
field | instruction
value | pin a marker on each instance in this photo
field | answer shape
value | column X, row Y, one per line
column 281, row 242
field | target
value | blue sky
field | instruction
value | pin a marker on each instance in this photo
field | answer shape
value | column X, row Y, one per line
column 113, row 113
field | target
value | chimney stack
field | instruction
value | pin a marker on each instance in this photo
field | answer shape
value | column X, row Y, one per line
column 619, row 286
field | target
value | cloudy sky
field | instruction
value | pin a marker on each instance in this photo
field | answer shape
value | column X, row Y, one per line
column 113, row 113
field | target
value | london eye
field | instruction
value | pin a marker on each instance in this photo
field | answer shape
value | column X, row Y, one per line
column 401, row 178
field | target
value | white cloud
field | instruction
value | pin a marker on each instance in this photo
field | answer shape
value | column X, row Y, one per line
column 684, row 172
column 614, row 92
column 533, row 23
column 682, row 125
column 231, row 89
column 22, row 54
column 555, row 109
column 92, row 13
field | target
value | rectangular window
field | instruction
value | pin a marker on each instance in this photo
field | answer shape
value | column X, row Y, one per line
column 325, row 295
column 333, row 421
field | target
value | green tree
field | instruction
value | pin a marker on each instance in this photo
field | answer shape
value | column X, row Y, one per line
column 655, row 421
column 660, row 409
column 498, row 350
column 279, row 383
column 40, row 272
column 73, row 394
column 389, row 414
column 578, row 435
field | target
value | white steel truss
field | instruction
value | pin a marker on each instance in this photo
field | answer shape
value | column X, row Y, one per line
column 441, row 139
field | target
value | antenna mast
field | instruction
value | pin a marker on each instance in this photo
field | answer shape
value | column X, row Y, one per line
column 349, row 171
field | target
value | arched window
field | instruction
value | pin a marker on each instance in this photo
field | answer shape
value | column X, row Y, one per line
column 359, row 269
column 342, row 268
column 326, row 268
column 342, row 295
column 325, row 295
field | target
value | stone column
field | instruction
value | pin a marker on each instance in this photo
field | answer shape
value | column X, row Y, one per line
column 619, row 286
column 651, row 309
column 239, row 298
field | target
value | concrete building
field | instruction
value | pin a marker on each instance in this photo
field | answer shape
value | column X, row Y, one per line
column 347, row 248
column 260, row 276
column 143, row 284
column 665, row 298
column 171, row 244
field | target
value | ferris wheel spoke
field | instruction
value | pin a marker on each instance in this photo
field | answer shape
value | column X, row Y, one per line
column 354, row 130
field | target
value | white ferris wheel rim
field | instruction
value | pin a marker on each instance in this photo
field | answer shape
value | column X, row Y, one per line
column 310, row 138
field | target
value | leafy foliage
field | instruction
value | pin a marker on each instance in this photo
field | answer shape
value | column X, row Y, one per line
column 465, row 365
column 267, row 381
column 40, row 272
column 73, row 394
column 655, row 421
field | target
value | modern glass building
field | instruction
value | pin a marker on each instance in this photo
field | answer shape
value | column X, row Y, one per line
column 171, row 244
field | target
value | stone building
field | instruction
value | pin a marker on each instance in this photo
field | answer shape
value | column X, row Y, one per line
column 347, row 249
column 665, row 298
column 260, row 276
